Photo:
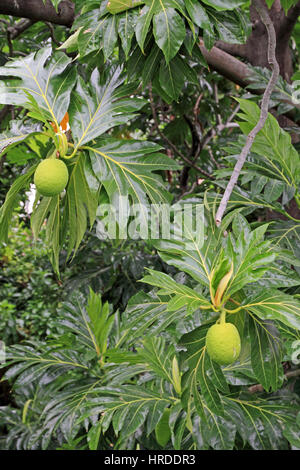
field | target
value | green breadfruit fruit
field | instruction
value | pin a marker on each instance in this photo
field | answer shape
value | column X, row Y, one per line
column 162, row 429
column 51, row 177
column 223, row 343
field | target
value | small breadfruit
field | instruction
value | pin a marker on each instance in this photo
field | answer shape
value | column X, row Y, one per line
column 162, row 429
column 223, row 343
column 51, row 177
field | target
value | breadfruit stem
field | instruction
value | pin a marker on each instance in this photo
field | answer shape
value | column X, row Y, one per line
column 222, row 318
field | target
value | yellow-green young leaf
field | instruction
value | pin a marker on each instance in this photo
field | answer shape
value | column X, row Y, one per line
column 176, row 375
column 162, row 429
column 117, row 6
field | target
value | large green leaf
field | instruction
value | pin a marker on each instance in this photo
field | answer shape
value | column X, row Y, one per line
column 201, row 371
column 17, row 133
column 146, row 313
column 274, row 305
column 172, row 77
column 266, row 355
column 224, row 4
column 81, row 202
column 101, row 105
column 43, row 76
column 128, row 404
column 169, row 31
column 157, row 355
column 232, row 26
column 261, row 422
column 277, row 156
column 248, row 252
column 182, row 295
column 191, row 252
column 126, row 168
column 12, row 198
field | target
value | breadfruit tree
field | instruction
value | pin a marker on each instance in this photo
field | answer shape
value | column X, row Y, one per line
column 174, row 103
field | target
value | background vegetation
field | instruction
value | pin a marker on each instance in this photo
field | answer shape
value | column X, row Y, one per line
column 103, row 336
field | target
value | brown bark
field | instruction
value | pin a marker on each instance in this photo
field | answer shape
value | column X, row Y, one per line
column 37, row 10
column 255, row 49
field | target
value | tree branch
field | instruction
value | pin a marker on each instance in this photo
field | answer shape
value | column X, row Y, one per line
column 19, row 27
column 170, row 144
column 289, row 20
column 235, row 70
column 226, row 64
column 37, row 10
column 263, row 13
column 259, row 388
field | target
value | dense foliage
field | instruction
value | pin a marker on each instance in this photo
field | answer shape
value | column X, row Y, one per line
column 105, row 337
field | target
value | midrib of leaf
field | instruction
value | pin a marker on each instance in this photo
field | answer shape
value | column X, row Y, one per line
column 90, row 389
column 216, row 424
column 263, row 304
column 286, row 233
column 128, row 403
column 278, row 169
column 200, row 255
column 259, row 408
column 167, row 26
column 92, row 336
column 112, row 25
column 128, row 179
column 162, row 365
column 244, row 264
column 260, row 352
column 93, row 117
column 282, row 160
column 149, row 13
column 124, row 170
column 96, row 29
column 144, row 314
column 41, row 91
column 204, row 375
column 49, row 361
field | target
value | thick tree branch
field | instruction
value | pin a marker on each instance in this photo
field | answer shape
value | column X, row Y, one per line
column 236, row 71
column 226, row 65
column 263, row 13
column 238, row 50
column 289, row 20
column 37, row 10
